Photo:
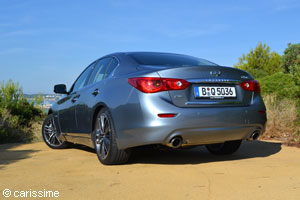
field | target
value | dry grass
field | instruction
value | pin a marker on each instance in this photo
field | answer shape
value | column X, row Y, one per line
column 282, row 120
column 12, row 131
column 36, row 129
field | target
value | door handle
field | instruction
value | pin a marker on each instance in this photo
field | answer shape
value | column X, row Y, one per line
column 74, row 99
column 96, row 92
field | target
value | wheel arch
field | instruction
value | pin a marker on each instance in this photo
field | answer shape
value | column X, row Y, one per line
column 50, row 111
column 97, row 108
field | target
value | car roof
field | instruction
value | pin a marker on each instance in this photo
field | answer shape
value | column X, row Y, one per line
column 142, row 52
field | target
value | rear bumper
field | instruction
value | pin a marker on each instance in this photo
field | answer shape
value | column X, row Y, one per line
column 198, row 136
column 141, row 126
column 190, row 136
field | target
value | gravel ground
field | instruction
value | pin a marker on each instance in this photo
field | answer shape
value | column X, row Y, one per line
column 259, row 170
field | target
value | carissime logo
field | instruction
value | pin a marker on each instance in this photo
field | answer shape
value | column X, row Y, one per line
column 30, row 193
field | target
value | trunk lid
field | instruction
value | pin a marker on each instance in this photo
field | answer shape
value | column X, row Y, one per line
column 208, row 76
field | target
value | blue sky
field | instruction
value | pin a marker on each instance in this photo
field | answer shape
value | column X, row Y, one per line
column 45, row 42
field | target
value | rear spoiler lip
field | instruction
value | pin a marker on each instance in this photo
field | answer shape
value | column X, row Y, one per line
column 162, row 67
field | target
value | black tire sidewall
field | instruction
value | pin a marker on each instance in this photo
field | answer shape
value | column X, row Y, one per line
column 114, row 151
column 111, row 137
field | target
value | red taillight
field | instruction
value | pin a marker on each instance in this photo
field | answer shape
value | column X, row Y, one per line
column 166, row 115
column 154, row 84
column 251, row 85
column 262, row 112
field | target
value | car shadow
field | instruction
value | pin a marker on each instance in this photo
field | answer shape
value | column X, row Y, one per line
column 82, row 147
column 197, row 155
column 8, row 155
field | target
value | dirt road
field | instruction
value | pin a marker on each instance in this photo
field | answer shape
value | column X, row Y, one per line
column 259, row 170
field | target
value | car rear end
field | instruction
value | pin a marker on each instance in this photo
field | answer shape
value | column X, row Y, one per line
column 192, row 105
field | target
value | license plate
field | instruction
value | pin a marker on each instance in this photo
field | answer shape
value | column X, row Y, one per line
column 215, row 92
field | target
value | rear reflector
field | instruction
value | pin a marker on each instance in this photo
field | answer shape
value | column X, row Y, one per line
column 166, row 115
column 155, row 84
column 262, row 111
column 251, row 85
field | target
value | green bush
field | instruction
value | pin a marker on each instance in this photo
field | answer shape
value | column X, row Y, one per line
column 257, row 74
column 280, row 84
column 16, row 114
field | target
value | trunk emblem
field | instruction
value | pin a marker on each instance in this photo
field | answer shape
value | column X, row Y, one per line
column 215, row 73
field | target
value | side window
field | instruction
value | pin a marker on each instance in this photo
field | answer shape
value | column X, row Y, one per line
column 114, row 63
column 82, row 78
column 99, row 70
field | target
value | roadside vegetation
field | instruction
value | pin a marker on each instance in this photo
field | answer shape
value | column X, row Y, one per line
column 20, row 121
column 279, row 78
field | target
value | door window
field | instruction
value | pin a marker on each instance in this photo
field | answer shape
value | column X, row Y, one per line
column 113, row 64
column 99, row 70
column 81, row 80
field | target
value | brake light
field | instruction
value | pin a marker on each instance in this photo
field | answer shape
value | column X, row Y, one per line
column 155, row 84
column 251, row 85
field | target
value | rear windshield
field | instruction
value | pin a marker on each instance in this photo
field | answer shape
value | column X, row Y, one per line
column 165, row 59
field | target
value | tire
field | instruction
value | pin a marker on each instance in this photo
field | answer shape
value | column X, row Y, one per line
column 50, row 134
column 104, row 138
column 225, row 148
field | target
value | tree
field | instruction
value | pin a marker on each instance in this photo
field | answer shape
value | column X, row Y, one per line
column 260, row 62
column 10, row 92
column 291, row 60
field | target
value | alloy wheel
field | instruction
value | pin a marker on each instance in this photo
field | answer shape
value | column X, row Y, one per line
column 103, row 133
column 51, row 134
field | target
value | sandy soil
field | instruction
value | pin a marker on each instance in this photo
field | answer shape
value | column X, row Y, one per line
column 259, row 170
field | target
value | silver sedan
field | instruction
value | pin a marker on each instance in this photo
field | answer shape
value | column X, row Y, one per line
column 125, row 100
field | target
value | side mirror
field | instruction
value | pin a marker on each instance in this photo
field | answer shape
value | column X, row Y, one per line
column 60, row 89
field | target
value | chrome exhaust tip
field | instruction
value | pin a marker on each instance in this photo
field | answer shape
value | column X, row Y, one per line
column 175, row 142
column 254, row 135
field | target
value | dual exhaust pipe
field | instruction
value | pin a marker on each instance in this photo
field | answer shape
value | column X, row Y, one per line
column 176, row 141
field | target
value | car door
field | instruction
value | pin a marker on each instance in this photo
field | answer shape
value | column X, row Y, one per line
column 67, row 105
column 96, row 83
